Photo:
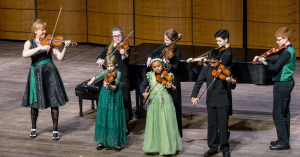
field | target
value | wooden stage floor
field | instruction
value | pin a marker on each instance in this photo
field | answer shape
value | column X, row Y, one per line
column 251, row 125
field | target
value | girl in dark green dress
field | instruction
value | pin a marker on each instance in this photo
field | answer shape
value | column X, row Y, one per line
column 110, row 128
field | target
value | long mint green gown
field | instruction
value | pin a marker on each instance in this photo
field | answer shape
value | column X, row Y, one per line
column 161, row 133
column 110, row 127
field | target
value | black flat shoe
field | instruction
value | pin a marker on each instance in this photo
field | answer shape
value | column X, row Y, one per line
column 279, row 147
column 33, row 133
column 118, row 149
column 273, row 143
column 226, row 154
column 100, row 147
column 210, row 153
column 55, row 135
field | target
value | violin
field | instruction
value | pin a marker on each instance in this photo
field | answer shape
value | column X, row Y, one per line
column 123, row 45
column 270, row 52
column 205, row 55
column 164, row 78
column 222, row 73
column 56, row 42
column 110, row 77
column 167, row 52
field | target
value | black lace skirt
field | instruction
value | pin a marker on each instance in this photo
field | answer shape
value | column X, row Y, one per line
column 49, row 88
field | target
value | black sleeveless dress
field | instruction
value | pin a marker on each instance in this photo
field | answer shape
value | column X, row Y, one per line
column 49, row 86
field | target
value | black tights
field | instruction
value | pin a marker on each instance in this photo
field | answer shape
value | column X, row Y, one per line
column 54, row 114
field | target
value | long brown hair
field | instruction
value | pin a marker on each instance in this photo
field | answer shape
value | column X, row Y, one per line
column 111, row 46
column 37, row 24
column 172, row 34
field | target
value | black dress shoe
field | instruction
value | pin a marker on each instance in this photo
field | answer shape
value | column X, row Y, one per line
column 273, row 143
column 279, row 147
column 226, row 154
column 55, row 136
column 210, row 153
column 118, row 149
column 33, row 133
column 100, row 147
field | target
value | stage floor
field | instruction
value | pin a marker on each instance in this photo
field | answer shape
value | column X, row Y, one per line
column 251, row 124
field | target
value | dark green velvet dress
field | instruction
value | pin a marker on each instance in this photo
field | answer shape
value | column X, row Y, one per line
column 110, row 128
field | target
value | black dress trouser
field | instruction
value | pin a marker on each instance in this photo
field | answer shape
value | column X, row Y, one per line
column 281, row 110
column 218, row 119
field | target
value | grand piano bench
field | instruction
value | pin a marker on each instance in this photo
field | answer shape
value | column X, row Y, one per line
column 83, row 91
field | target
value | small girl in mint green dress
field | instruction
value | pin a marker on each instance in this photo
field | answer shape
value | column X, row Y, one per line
column 161, row 132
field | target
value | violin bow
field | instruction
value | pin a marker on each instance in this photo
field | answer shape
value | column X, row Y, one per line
column 206, row 90
column 208, row 87
column 55, row 27
column 122, row 42
column 144, row 101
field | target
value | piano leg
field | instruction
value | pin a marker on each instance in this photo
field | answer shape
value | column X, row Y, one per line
column 93, row 105
column 80, row 107
column 137, row 104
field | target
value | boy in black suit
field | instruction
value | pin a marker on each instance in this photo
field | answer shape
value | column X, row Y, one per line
column 218, row 102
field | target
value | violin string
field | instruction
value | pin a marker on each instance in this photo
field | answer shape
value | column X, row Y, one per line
column 55, row 27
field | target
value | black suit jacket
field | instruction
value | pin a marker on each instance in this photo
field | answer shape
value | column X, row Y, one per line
column 217, row 94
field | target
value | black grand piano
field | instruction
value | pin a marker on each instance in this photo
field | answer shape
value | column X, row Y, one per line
column 242, row 69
